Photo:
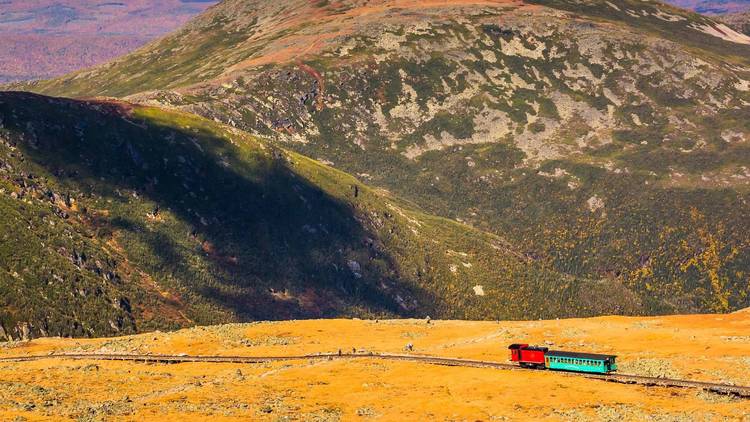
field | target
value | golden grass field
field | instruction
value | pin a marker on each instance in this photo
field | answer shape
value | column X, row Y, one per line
column 697, row 347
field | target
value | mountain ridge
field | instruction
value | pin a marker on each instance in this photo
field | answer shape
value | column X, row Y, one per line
column 232, row 28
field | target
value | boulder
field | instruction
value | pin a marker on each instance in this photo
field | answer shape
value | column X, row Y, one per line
column 23, row 329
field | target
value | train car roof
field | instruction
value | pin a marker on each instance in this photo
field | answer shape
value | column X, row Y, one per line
column 577, row 355
column 524, row 346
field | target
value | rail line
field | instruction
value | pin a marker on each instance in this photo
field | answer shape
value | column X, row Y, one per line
column 735, row 390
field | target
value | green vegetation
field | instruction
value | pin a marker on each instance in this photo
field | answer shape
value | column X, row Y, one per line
column 155, row 219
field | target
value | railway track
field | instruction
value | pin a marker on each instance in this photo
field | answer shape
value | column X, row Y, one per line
column 736, row 390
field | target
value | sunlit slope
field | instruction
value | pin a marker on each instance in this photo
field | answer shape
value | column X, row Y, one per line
column 698, row 347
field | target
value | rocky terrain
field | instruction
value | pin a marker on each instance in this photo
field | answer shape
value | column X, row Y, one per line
column 604, row 140
column 699, row 347
column 44, row 38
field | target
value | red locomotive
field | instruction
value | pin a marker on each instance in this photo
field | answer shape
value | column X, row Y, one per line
column 527, row 356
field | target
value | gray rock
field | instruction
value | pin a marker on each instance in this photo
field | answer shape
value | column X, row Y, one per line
column 354, row 266
column 24, row 330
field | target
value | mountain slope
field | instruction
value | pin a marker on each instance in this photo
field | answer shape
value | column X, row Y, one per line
column 120, row 218
column 608, row 140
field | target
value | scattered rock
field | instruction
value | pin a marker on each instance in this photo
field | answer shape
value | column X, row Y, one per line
column 23, row 329
column 650, row 367
column 595, row 203
column 355, row 268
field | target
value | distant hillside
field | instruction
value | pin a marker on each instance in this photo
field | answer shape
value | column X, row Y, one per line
column 738, row 21
column 713, row 7
column 45, row 38
column 34, row 56
column 120, row 218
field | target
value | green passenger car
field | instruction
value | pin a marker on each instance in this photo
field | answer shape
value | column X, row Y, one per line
column 580, row 362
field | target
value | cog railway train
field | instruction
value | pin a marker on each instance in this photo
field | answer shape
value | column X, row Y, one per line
column 543, row 358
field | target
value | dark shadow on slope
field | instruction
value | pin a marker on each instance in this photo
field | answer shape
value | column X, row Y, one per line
column 235, row 232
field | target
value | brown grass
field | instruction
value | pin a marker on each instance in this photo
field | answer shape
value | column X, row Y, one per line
column 700, row 347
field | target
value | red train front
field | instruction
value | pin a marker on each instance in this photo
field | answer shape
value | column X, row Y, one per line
column 527, row 356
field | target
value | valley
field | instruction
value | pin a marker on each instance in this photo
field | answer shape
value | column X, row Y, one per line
column 45, row 39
